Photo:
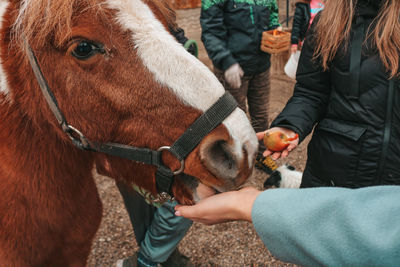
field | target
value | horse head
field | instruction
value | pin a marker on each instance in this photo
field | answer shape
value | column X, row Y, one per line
column 119, row 76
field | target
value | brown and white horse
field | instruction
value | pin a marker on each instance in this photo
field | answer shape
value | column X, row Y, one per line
column 118, row 76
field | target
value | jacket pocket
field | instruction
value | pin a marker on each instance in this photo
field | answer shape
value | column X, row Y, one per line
column 334, row 151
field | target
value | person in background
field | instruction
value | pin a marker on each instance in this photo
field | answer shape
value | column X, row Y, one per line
column 231, row 33
column 339, row 227
column 347, row 87
column 189, row 44
column 157, row 231
column 304, row 15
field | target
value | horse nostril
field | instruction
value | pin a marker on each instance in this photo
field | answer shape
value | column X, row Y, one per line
column 220, row 159
column 222, row 154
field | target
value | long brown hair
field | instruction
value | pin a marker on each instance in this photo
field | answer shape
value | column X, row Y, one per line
column 334, row 28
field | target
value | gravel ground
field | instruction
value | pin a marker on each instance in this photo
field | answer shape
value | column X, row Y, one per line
column 229, row 244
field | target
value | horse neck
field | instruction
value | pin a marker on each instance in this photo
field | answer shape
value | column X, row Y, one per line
column 38, row 158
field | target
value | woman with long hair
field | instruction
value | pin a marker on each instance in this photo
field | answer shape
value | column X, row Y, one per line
column 347, row 87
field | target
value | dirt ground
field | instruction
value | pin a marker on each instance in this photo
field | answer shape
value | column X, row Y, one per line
column 229, row 244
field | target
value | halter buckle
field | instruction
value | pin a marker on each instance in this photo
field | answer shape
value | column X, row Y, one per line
column 182, row 167
column 81, row 140
column 163, row 197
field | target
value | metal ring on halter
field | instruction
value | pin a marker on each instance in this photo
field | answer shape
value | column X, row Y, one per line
column 82, row 138
column 168, row 148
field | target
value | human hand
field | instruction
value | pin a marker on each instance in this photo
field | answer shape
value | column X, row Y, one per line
column 284, row 153
column 293, row 48
column 233, row 75
column 224, row 207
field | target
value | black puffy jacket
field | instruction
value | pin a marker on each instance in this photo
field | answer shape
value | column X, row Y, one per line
column 301, row 20
column 356, row 140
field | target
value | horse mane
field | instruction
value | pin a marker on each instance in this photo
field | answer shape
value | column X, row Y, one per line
column 40, row 19
column 164, row 8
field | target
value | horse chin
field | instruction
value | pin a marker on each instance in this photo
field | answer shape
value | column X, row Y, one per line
column 189, row 190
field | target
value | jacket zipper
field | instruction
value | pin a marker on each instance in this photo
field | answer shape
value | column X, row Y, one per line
column 252, row 15
column 387, row 130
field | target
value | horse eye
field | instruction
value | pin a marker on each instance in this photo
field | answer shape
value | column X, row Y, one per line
column 84, row 50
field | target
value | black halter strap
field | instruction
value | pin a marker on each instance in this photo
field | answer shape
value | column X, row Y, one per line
column 221, row 109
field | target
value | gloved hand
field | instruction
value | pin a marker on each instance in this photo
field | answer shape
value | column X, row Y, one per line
column 233, row 75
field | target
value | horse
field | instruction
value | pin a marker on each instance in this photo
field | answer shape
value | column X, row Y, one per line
column 114, row 72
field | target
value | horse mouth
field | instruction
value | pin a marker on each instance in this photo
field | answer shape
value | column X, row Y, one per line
column 198, row 189
column 204, row 191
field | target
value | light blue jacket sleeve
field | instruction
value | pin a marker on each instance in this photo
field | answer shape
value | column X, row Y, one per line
column 331, row 226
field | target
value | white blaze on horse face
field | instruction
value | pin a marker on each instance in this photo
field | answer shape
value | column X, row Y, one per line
column 3, row 79
column 174, row 67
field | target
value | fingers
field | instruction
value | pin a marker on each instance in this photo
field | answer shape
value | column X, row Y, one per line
column 260, row 135
column 292, row 146
column 184, row 211
column 285, row 152
column 241, row 72
column 276, row 155
column 267, row 153
column 234, row 80
column 238, row 81
column 233, row 75
column 223, row 207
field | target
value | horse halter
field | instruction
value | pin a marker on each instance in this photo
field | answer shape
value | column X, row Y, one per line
column 203, row 125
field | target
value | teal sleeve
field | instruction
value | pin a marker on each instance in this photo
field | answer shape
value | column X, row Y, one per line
column 274, row 15
column 331, row 226
column 214, row 33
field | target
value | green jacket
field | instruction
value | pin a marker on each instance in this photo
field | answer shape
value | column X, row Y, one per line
column 232, row 30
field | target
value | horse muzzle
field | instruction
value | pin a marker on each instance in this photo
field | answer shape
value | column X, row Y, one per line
column 228, row 159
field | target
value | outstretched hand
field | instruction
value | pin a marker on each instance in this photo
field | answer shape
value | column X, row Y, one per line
column 224, row 207
column 284, row 153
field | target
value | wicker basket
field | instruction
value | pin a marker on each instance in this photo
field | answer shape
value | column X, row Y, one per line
column 274, row 41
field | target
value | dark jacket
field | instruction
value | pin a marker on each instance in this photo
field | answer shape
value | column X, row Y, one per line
column 180, row 36
column 232, row 30
column 301, row 20
column 356, row 141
